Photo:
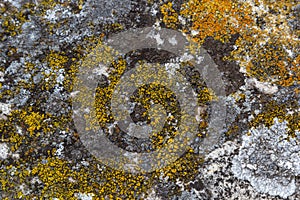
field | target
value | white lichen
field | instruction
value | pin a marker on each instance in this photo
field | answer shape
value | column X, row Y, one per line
column 5, row 108
column 157, row 37
column 268, row 160
column 4, row 151
column 84, row 196
column 152, row 195
column 1, row 76
column 173, row 40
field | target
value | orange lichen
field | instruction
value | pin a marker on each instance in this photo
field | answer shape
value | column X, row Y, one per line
column 264, row 49
column 219, row 19
column 265, row 41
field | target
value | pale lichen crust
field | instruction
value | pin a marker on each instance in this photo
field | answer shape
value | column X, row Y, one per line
column 255, row 44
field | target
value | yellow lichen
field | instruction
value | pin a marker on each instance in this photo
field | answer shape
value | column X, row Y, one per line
column 13, row 19
column 218, row 19
column 170, row 17
column 280, row 111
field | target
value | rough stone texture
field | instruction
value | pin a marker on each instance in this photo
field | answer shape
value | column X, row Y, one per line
column 43, row 43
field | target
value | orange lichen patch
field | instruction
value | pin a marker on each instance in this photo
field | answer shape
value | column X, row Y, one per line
column 170, row 16
column 267, row 42
column 267, row 61
column 296, row 69
column 266, row 49
column 218, row 19
column 273, row 62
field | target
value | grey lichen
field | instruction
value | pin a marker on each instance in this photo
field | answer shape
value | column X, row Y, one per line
column 105, row 10
column 269, row 160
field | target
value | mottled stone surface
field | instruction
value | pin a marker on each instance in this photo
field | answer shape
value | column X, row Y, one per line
column 255, row 46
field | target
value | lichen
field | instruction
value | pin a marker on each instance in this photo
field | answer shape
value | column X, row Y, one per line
column 170, row 16
column 267, row 48
column 268, row 160
column 219, row 19
column 283, row 112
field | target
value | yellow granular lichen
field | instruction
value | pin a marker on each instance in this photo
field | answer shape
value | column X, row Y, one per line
column 184, row 168
column 120, row 184
column 281, row 111
column 154, row 93
column 170, row 16
column 33, row 121
column 58, row 178
column 56, row 60
column 9, row 132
